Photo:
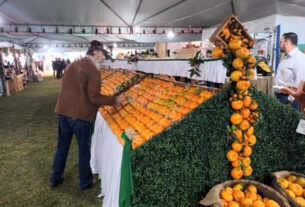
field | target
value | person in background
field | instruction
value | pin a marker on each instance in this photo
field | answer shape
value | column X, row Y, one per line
column 291, row 70
column 208, row 54
column 297, row 93
column 54, row 66
column 77, row 105
column 261, row 57
column 41, row 66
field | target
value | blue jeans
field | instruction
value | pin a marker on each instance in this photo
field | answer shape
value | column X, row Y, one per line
column 66, row 128
column 283, row 98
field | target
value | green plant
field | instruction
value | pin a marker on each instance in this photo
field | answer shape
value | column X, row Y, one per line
column 180, row 165
column 195, row 62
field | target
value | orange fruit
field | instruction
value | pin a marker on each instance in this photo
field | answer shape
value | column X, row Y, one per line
column 291, row 193
column 259, row 197
column 252, row 73
column 237, row 105
column 283, row 182
column 236, row 75
column 247, row 151
column 237, row 173
column 242, row 53
column 238, row 133
column 235, row 44
column 271, row 203
column 237, row 187
column 229, row 189
column 244, row 125
column 248, row 171
column 247, row 101
column 217, row 52
column 227, row 196
column 258, row 203
column 232, row 155
column 296, row 188
column 251, row 61
column 250, row 131
column 238, row 195
column 236, row 118
column 245, row 113
column 233, row 204
column 236, row 163
column 246, row 202
column 251, row 195
column 243, row 85
column 300, row 200
column 252, row 141
column 236, row 146
column 253, row 106
column 246, row 161
column 238, row 63
column 252, row 188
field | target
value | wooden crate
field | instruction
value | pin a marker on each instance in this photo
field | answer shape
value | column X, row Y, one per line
column 218, row 41
column 16, row 85
column 186, row 53
column 19, row 83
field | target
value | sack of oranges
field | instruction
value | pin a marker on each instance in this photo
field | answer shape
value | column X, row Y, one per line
column 246, row 193
column 291, row 185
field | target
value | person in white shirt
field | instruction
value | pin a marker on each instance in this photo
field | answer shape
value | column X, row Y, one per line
column 291, row 70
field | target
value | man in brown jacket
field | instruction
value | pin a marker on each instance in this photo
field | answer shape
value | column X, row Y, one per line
column 76, row 107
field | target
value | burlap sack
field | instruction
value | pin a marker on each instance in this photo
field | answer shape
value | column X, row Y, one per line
column 275, row 184
column 213, row 196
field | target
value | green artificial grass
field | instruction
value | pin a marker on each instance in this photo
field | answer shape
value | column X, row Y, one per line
column 180, row 165
column 28, row 137
column 175, row 168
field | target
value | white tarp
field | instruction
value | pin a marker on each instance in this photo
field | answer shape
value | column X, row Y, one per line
column 159, row 14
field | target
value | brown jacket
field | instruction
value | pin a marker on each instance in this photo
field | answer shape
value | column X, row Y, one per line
column 80, row 96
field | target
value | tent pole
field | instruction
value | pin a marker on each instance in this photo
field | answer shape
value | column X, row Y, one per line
column 277, row 49
column 2, row 75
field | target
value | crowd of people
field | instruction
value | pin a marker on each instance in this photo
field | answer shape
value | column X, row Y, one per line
column 59, row 66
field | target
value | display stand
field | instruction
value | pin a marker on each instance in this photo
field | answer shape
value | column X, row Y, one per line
column 264, row 84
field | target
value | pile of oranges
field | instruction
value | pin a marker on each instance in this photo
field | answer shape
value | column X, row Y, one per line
column 295, row 187
column 152, row 106
column 105, row 73
column 246, row 196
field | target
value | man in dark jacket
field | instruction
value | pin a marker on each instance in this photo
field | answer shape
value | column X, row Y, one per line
column 76, row 107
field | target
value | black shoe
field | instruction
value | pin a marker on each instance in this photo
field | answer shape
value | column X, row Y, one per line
column 92, row 185
column 57, row 183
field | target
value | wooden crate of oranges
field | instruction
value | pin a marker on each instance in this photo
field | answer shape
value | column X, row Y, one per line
column 231, row 31
column 291, row 185
column 235, row 193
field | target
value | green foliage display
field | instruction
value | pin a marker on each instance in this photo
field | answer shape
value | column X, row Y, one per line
column 180, row 165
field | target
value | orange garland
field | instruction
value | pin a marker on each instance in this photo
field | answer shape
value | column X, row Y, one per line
column 244, row 116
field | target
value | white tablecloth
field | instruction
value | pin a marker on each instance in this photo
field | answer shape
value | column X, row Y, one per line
column 106, row 160
column 213, row 71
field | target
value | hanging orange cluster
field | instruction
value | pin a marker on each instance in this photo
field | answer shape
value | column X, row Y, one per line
column 244, row 117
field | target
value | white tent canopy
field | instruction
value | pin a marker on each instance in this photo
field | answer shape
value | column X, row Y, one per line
column 32, row 23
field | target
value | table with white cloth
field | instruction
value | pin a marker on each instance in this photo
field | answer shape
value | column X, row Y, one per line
column 211, row 70
column 106, row 159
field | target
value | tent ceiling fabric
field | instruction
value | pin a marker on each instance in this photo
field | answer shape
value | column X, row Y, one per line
column 58, row 12
column 192, row 12
column 128, row 13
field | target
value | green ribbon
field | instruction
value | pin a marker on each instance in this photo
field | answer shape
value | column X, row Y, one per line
column 126, row 184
